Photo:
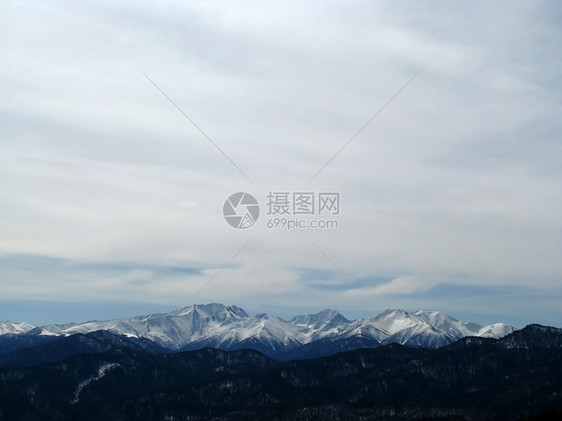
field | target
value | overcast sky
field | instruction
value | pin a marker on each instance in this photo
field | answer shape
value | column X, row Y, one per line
column 450, row 198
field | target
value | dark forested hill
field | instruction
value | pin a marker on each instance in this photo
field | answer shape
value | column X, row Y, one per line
column 518, row 376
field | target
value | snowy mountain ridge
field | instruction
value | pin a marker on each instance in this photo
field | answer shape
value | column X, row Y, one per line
column 230, row 327
column 12, row 327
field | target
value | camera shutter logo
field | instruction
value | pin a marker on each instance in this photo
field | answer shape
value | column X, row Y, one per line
column 241, row 210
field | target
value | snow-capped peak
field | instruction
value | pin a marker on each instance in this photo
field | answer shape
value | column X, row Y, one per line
column 324, row 316
column 14, row 327
column 214, row 311
column 497, row 330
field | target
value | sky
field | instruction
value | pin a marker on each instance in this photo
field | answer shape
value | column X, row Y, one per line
column 124, row 128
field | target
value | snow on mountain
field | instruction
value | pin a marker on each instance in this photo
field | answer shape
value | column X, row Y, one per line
column 172, row 330
column 14, row 327
column 324, row 317
column 430, row 329
column 230, row 327
column 327, row 323
column 497, row 330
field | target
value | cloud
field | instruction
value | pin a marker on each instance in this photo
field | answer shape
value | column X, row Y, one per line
column 401, row 285
column 455, row 183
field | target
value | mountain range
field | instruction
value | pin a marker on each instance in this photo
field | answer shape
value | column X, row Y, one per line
column 231, row 328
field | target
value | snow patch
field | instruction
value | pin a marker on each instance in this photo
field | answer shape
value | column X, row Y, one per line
column 101, row 372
